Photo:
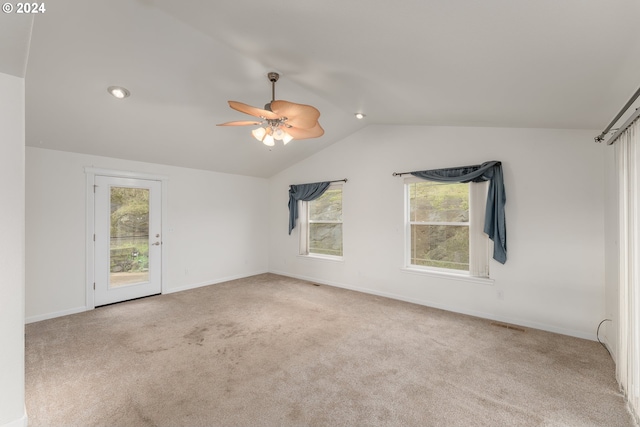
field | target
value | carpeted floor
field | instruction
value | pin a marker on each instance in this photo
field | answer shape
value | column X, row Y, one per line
column 275, row 351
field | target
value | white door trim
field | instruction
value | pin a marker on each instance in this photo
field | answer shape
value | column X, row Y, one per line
column 90, row 173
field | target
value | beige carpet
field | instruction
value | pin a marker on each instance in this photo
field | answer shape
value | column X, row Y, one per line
column 275, row 351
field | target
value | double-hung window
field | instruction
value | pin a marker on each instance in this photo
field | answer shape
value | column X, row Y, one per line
column 444, row 227
column 321, row 224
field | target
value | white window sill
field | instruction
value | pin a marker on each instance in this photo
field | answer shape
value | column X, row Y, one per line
column 449, row 276
column 327, row 258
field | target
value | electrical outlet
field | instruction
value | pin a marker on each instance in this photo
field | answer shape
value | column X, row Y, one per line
column 500, row 294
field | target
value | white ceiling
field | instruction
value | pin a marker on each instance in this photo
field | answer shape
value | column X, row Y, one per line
column 545, row 63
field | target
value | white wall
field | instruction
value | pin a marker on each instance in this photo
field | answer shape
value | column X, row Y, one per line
column 216, row 224
column 554, row 276
column 555, row 181
column 12, row 135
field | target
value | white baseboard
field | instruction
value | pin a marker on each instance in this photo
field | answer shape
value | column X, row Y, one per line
column 20, row 422
column 47, row 316
column 212, row 282
column 489, row 316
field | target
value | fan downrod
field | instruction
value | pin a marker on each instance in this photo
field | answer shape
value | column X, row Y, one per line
column 273, row 78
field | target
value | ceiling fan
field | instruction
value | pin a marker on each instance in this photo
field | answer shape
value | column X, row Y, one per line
column 279, row 120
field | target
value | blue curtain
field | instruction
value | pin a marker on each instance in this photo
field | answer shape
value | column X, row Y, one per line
column 304, row 192
column 494, row 223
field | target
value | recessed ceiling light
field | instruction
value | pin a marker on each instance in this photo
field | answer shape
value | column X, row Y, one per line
column 360, row 116
column 118, row 91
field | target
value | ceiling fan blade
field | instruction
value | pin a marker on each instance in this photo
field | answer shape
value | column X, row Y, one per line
column 241, row 123
column 298, row 115
column 253, row 111
column 297, row 133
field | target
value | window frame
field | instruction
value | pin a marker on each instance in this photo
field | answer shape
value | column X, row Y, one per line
column 305, row 229
column 478, row 240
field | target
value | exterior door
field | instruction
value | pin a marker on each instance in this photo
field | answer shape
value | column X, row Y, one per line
column 128, row 244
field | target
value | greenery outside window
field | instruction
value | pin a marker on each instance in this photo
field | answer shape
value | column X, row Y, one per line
column 444, row 223
column 321, row 224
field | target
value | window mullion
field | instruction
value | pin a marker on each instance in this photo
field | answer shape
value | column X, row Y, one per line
column 462, row 224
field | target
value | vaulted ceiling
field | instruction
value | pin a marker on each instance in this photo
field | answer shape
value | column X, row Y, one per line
column 545, row 63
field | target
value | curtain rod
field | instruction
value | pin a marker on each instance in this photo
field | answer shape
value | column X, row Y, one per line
column 458, row 167
column 600, row 137
column 337, row 180
column 624, row 127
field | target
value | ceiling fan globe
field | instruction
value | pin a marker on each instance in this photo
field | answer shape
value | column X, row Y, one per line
column 259, row 134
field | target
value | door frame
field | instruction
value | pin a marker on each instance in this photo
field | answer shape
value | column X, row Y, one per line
column 91, row 173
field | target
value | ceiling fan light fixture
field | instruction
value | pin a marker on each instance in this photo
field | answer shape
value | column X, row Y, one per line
column 279, row 120
column 268, row 141
column 259, row 134
column 118, row 91
column 281, row 135
column 287, row 138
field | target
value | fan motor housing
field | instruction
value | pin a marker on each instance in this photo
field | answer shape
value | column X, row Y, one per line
column 273, row 76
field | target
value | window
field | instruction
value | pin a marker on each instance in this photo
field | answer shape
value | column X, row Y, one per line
column 321, row 224
column 444, row 224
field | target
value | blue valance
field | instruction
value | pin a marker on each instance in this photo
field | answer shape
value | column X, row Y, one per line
column 304, row 192
column 494, row 222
